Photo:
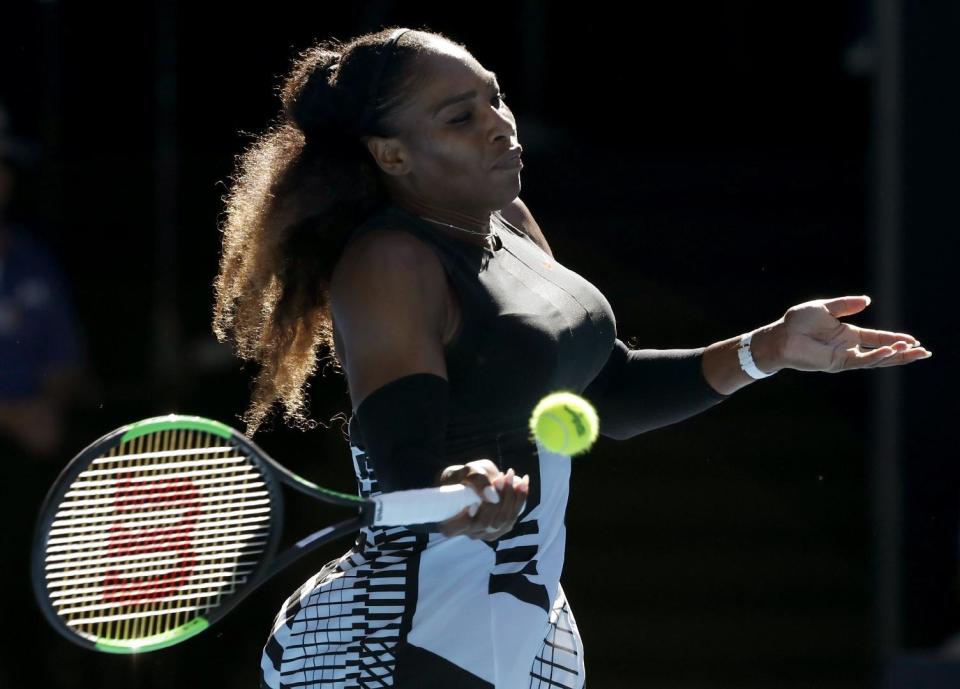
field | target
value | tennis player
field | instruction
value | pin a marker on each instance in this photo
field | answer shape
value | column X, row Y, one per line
column 380, row 218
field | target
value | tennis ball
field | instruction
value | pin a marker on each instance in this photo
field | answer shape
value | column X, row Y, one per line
column 565, row 423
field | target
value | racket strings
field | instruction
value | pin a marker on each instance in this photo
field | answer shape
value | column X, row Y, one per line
column 154, row 534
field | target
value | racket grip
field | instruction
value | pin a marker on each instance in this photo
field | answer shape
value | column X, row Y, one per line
column 422, row 505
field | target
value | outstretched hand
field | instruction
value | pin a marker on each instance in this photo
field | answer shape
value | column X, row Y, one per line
column 814, row 339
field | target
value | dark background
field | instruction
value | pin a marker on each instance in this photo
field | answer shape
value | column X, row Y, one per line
column 706, row 165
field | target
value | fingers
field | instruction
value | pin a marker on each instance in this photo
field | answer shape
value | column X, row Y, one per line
column 492, row 518
column 470, row 474
column 845, row 306
column 904, row 355
column 478, row 474
column 513, row 494
column 867, row 358
column 484, row 485
column 880, row 338
column 895, row 354
column 453, row 474
column 485, row 467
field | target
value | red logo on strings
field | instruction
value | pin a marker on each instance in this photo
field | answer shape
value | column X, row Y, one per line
column 163, row 542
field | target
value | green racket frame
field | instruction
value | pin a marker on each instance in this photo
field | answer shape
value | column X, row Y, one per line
column 270, row 473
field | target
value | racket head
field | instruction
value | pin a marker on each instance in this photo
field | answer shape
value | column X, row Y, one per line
column 153, row 532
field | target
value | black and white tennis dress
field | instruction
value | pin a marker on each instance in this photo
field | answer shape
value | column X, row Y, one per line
column 412, row 609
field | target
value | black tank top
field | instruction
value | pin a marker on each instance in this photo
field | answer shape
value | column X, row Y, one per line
column 529, row 326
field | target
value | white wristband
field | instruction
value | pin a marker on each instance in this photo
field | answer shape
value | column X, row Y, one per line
column 746, row 358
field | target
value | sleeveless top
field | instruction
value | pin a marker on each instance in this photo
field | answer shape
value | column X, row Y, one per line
column 406, row 608
column 529, row 326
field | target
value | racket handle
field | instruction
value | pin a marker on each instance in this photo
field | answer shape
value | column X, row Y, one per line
column 422, row 505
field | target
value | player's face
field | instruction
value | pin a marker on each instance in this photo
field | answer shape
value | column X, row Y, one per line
column 453, row 132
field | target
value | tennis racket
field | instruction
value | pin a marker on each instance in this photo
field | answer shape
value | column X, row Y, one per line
column 159, row 528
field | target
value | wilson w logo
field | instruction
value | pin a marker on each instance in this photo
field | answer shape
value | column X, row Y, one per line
column 166, row 552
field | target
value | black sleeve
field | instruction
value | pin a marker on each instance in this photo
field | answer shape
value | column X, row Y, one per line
column 639, row 390
column 402, row 429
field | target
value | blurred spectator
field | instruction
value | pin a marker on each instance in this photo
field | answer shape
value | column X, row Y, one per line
column 41, row 348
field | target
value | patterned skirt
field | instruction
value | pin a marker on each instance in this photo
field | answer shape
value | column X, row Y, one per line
column 412, row 609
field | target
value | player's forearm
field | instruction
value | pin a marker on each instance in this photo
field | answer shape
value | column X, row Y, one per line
column 639, row 390
column 721, row 364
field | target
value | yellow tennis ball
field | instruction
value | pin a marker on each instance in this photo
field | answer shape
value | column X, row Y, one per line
column 565, row 423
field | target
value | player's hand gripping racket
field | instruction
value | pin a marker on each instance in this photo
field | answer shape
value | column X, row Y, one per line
column 159, row 528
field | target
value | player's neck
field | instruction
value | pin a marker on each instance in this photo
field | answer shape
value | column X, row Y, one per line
column 478, row 222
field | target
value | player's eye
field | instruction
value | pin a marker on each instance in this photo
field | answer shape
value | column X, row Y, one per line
column 496, row 100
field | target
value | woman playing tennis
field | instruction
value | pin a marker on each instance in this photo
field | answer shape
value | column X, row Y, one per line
column 380, row 218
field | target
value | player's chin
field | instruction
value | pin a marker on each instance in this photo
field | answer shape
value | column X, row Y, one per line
column 504, row 187
column 509, row 176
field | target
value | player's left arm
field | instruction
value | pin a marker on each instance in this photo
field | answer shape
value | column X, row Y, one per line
column 642, row 389
column 637, row 390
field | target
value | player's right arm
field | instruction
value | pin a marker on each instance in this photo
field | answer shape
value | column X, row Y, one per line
column 388, row 300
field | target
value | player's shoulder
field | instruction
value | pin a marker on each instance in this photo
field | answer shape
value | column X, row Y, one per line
column 389, row 272
column 388, row 299
column 388, row 249
column 518, row 214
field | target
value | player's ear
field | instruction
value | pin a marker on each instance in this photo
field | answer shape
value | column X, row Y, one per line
column 389, row 154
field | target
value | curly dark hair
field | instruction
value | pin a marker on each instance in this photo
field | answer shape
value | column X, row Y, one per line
column 298, row 191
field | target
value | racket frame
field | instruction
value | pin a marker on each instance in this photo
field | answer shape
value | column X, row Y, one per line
column 269, row 563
